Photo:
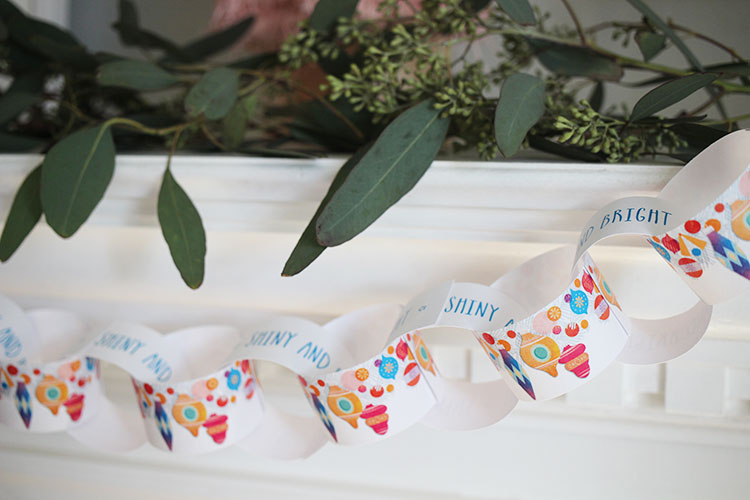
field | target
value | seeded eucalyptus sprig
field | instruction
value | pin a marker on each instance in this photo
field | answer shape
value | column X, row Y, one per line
column 392, row 91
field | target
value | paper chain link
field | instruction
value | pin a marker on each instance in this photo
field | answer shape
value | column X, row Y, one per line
column 546, row 327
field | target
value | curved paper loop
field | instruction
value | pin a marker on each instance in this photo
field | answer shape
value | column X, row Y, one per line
column 658, row 340
column 468, row 406
column 548, row 326
column 285, row 437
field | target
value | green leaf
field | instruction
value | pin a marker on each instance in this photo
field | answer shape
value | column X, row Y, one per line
column 664, row 28
column 69, row 54
column 214, row 94
column 724, row 70
column 476, row 5
column 669, row 93
column 596, row 99
column 397, row 160
column 138, row 75
column 327, row 13
column 520, row 106
column 518, row 10
column 264, row 60
column 40, row 37
column 15, row 143
column 216, row 42
column 308, row 249
column 75, row 175
column 131, row 34
column 328, row 128
column 183, row 230
column 235, row 125
column 277, row 153
column 563, row 150
column 25, row 91
column 25, row 212
column 698, row 137
column 571, row 60
column 650, row 44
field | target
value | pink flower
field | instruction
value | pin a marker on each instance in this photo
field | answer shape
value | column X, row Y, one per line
column 275, row 20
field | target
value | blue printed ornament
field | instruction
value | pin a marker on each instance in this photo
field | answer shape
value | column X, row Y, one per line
column 730, row 255
column 162, row 421
column 23, row 403
column 517, row 373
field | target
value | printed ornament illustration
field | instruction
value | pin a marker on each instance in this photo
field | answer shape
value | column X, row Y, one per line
column 388, row 367
column 515, row 370
column 576, row 360
column 540, row 352
column 344, row 404
column 189, row 413
column 376, row 418
column 74, row 406
column 51, row 392
column 411, row 374
column 729, row 254
column 324, row 416
column 216, row 426
column 601, row 308
column 579, row 302
column 23, row 403
column 423, row 355
column 741, row 219
column 162, row 422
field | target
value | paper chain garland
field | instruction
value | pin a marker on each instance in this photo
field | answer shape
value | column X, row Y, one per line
column 546, row 330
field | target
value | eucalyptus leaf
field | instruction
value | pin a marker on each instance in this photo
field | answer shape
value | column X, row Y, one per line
column 664, row 28
column 520, row 106
column 16, row 143
column 518, row 10
column 264, row 60
column 650, row 44
column 24, row 214
column 477, row 5
column 215, row 42
column 25, row 91
column 327, row 13
column 46, row 39
column 397, row 160
column 596, row 99
column 214, row 94
column 22, row 59
column 235, row 126
column 7, row 10
column 698, row 137
column 563, row 150
column 669, row 93
column 138, row 75
column 689, row 55
column 308, row 248
column 75, row 175
column 183, row 231
column 268, row 152
column 724, row 70
column 131, row 34
column 73, row 55
column 572, row 60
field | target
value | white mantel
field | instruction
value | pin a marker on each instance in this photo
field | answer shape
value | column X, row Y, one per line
column 676, row 430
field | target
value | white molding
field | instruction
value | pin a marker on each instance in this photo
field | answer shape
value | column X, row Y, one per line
column 682, row 428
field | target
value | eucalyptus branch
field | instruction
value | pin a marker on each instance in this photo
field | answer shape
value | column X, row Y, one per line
column 730, row 120
column 574, row 17
column 212, row 138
